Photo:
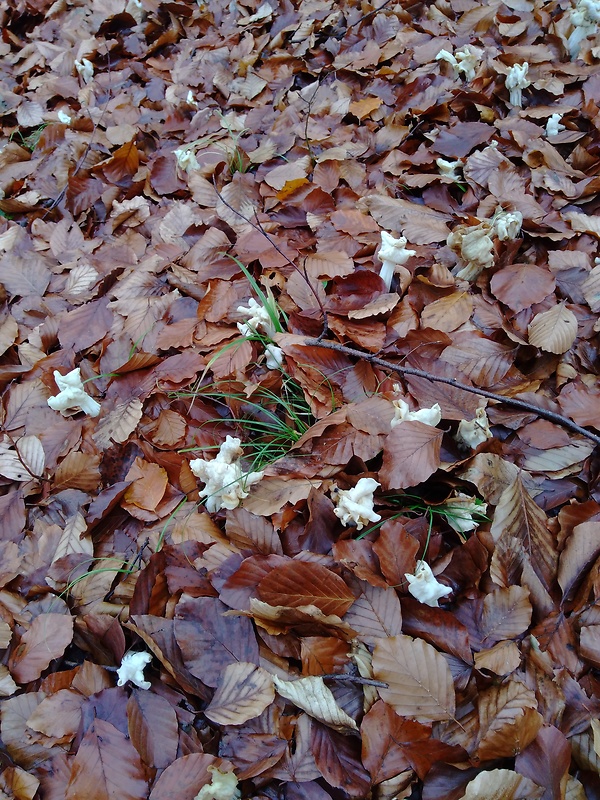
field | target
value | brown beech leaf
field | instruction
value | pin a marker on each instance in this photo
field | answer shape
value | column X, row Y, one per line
column 420, row 224
column 501, row 659
column 338, row 759
column 209, row 640
column 591, row 289
column 506, row 614
column 484, row 361
column 508, row 720
column 152, row 726
column 301, row 583
column 553, row 331
column 581, row 403
column 59, row 715
column 410, row 455
column 185, row 776
column 448, row 313
column 418, row 677
column 272, row 493
column 149, row 482
column 119, row 424
column 546, row 761
column 502, row 784
column 392, row 744
column 518, row 515
column 78, row 471
column 243, row 692
column 106, row 766
column 375, row 614
column 46, row 639
column 520, row 286
column 581, row 550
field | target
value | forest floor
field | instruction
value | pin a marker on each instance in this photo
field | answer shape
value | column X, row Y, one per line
column 315, row 512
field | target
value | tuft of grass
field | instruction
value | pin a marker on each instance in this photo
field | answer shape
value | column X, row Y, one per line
column 269, row 424
column 413, row 504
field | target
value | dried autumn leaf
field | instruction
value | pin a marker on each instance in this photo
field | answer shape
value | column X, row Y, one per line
column 18, row 784
column 520, row 286
column 508, row 720
column 518, row 515
column 311, row 695
column 581, row 550
column 59, row 715
column 106, row 766
column 243, row 692
column 185, row 776
column 119, row 424
column 418, row 676
column 411, row 454
column 152, row 726
column 46, row 639
column 78, row 471
column 501, row 784
column 506, row 613
column 553, row 331
column 23, row 459
column 301, row 583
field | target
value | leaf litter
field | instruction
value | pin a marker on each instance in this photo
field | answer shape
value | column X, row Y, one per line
column 361, row 242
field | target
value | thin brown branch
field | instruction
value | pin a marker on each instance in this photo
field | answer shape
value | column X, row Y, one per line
column 334, row 676
column 511, row 402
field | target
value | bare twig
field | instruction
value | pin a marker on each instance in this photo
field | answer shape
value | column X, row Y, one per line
column 512, row 402
column 354, row 679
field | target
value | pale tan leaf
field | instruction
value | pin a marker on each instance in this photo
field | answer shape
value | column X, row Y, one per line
column 18, row 784
column 583, row 223
column 96, row 584
column 575, row 790
column 81, row 278
column 448, row 313
column 17, row 737
column 331, row 264
column 553, row 331
column 418, row 676
column 591, row 289
column 11, row 466
column 420, row 224
column 311, row 695
column 501, row 709
column 72, row 539
column 492, row 474
column 9, row 331
column 7, row 684
column 119, row 424
column 557, row 459
column 376, row 614
column 411, row 454
column 582, row 549
column 5, row 635
column 502, row 784
column 584, row 752
column 32, row 454
column 484, row 361
column 30, row 114
column 169, row 428
column 381, row 305
column 271, row 494
column 243, row 692
column 501, row 659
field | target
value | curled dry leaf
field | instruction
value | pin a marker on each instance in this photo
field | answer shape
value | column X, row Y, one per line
column 313, row 696
column 502, row 784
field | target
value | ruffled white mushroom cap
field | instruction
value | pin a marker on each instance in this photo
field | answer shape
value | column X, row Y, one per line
column 507, row 224
column 186, row 159
column 85, row 69
column 72, row 396
column 424, row 587
column 132, row 669
column 448, row 168
column 226, row 482
column 428, row 416
column 222, row 786
column 475, row 431
column 393, row 253
column 259, row 320
column 355, row 506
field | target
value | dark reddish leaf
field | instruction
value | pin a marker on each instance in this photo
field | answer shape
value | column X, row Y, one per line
column 299, row 583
